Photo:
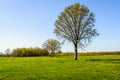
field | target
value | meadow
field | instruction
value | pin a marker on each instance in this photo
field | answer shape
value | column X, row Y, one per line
column 102, row 67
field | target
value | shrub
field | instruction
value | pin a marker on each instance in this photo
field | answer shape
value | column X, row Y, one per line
column 100, row 53
column 90, row 53
column 28, row 52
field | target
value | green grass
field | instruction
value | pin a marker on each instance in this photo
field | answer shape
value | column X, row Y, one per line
column 105, row 67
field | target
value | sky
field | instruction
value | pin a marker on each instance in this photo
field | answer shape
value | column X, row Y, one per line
column 29, row 23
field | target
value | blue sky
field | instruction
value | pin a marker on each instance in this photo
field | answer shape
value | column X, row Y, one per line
column 29, row 23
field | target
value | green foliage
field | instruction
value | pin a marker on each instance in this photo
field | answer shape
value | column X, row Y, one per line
column 89, row 53
column 7, row 52
column 100, row 53
column 65, row 54
column 60, row 68
column 3, row 55
column 76, row 24
column 52, row 46
column 23, row 52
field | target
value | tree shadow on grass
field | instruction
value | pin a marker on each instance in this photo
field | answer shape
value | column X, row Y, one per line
column 1, row 79
column 105, row 60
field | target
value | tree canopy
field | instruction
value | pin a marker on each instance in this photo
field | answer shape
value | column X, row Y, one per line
column 52, row 46
column 76, row 24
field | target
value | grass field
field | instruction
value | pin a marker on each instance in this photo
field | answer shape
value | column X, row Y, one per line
column 106, row 67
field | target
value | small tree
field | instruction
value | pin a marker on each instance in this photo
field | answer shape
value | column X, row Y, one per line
column 76, row 24
column 52, row 46
column 7, row 52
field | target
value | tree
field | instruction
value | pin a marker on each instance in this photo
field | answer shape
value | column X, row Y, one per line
column 76, row 24
column 27, row 52
column 7, row 52
column 52, row 46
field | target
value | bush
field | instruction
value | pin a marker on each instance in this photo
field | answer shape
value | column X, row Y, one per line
column 89, row 53
column 100, row 53
column 28, row 52
column 2, row 55
column 65, row 54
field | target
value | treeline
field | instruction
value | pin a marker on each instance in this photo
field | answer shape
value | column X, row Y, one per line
column 90, row 53
column 29, row 52
column 23, row 52
column 3, row 55
column 100, row 53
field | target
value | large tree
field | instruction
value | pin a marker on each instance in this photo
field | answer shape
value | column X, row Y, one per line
column 76, row 24
column 52, row 46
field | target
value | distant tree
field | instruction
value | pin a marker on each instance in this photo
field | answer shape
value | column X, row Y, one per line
column 1, row 54
column 7, row 52
column 52, row 46
column 76, row 24
column 29, row 52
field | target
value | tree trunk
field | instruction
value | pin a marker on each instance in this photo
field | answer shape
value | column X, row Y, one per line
column 75, row 54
